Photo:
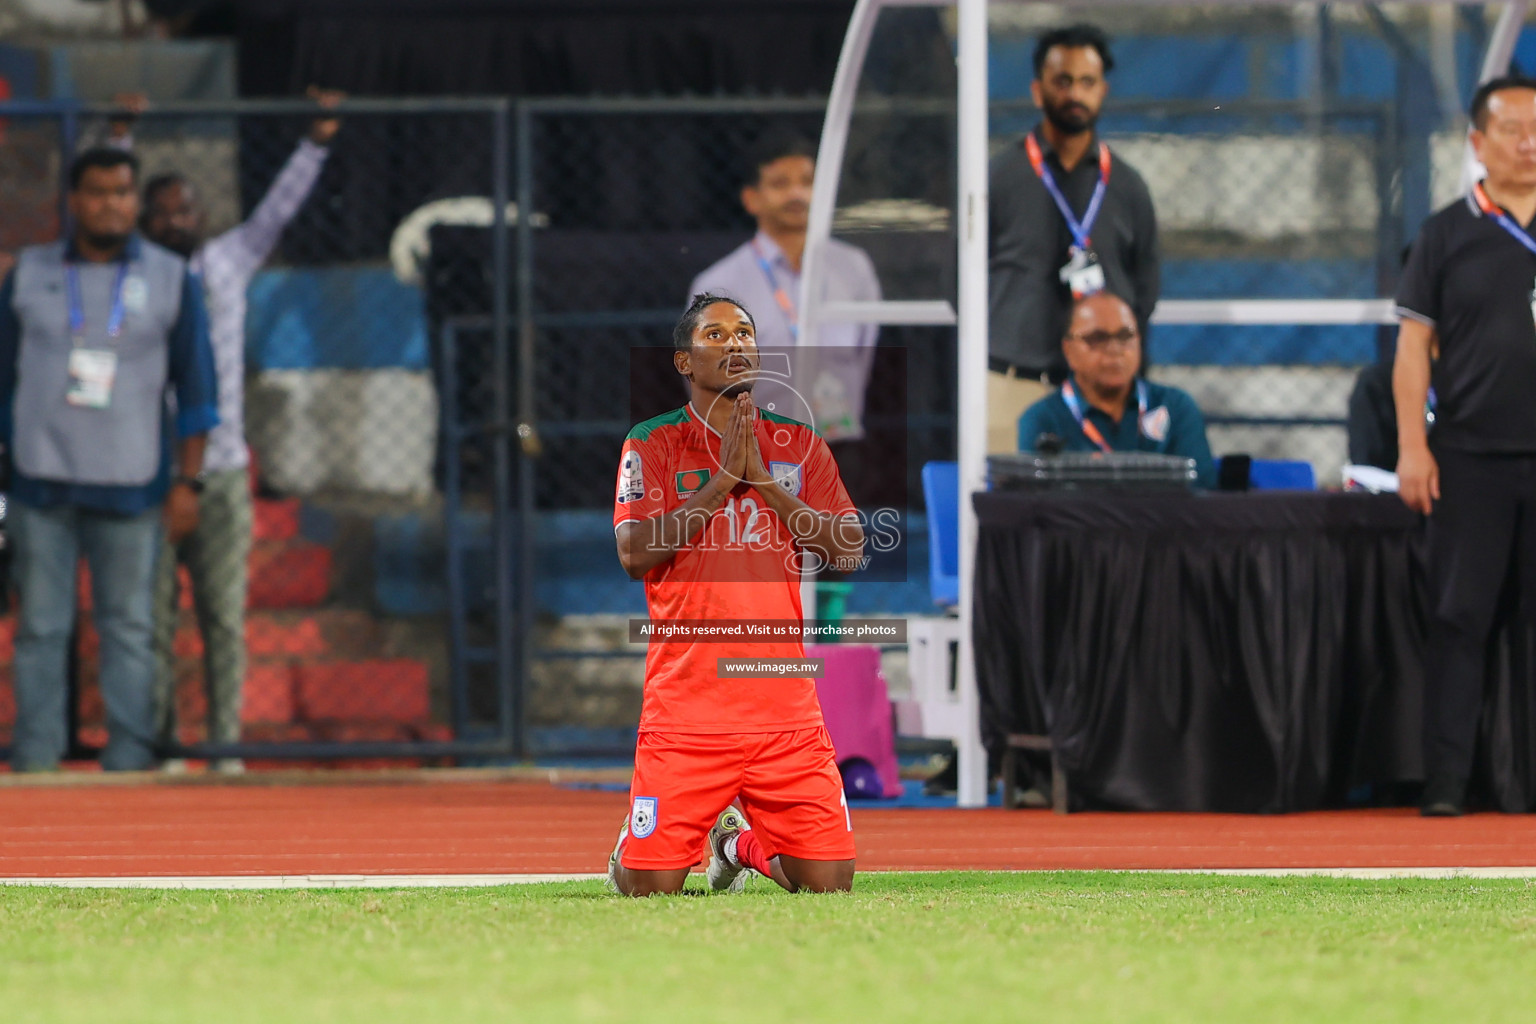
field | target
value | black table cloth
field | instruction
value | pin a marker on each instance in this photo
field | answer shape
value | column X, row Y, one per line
column 1224, row 652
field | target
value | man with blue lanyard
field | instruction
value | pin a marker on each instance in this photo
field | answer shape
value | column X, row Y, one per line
column 821, row 381
column 95, row 331
column 1470, row 287
column 1104, row 405
column 1067, row 218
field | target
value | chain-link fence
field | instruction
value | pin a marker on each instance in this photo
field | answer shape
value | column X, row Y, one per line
column 1256, row 199
column 634, row 200
column 434, row 408
column 1265, row 200
column 307, row 615
column 1291, row 154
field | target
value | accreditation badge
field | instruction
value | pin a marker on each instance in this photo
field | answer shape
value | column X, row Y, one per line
column 1083, row 273
column 92, row 371
column 135, row 294
column 1155, row 423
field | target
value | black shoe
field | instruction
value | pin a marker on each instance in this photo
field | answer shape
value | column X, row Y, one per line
column 1442, row 809
column 1444, row 797
column 946, row 782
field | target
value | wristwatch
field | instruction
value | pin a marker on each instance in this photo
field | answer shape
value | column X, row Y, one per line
column 195, row 482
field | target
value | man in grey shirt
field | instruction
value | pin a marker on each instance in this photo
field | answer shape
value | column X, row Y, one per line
column 96, row 330
column 822, row 380
column 216, row 553
column 1068, row 218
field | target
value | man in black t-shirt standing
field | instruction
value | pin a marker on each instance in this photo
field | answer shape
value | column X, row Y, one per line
column 1470, row 286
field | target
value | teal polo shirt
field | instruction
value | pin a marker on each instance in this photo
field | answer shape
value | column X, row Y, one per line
column 1183, row 428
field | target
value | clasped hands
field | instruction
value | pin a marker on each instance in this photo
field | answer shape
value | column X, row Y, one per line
column 740, row 456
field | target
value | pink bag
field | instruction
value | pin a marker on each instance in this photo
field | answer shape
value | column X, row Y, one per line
column 857, row 708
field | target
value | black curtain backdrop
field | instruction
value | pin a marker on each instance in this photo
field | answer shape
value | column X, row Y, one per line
column 1257, row 653
column 541, row 47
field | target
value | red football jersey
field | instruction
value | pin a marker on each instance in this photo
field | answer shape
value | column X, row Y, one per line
column 740, row 567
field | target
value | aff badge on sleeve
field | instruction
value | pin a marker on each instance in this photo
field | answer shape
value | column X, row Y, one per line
column 642, row 817
column 786, row 475
column 631, row 478
column 1155, row 422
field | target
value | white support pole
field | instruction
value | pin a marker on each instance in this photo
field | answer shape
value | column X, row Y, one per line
column 971, row 213
column 1501, row 47
column 1254, row 312
column 829, row 158
column 829, row 168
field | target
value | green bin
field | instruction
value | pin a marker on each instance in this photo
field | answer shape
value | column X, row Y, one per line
column 832, row 601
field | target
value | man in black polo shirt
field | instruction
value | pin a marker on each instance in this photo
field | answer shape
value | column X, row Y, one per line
column 1068, row 219
column 1470, row 285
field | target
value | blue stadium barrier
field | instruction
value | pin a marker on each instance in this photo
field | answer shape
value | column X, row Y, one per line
column 941, row 495
column 1279, row 475
column 1251, row 66
column 290, row 310
column 578, row 570
column 291, row 313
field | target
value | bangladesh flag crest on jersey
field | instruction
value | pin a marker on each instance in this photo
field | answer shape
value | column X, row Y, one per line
column 690, row 480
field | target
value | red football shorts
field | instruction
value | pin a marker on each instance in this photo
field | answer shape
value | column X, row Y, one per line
column 787, row 783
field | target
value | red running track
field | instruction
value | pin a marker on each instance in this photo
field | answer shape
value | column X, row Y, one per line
column 68, row 830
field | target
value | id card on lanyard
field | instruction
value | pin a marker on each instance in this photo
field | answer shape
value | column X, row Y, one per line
column 92, row 371
column 1083, row 274
column 786, row 304
column 1090, row 429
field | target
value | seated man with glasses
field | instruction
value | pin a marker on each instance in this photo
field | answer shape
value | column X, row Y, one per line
column 1105, row 405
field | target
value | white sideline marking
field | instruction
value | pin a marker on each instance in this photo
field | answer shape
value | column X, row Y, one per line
column 1360, row 873
column 483, row 881
column 1366, row 873
column 297, row 881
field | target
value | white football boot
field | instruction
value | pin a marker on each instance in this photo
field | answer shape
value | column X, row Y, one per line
column 723, row 874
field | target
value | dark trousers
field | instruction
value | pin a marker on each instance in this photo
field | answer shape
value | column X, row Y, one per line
column 1482, row 536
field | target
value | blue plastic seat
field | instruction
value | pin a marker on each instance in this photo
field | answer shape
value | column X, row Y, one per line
column 1280, row 475
column 941, row 495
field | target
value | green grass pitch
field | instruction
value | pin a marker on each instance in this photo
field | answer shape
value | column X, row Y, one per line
column 931, row 948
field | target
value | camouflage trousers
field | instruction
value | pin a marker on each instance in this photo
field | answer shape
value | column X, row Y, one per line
column 216, row 556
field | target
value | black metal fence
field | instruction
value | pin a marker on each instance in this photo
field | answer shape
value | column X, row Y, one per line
column 450, row 336
column 329, row 324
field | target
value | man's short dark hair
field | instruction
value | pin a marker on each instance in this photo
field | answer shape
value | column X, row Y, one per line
column 1074, row 37
column 159, row 183
column 101, row 156
column 682, row 334
column 774, row 145
column 1479, row 108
